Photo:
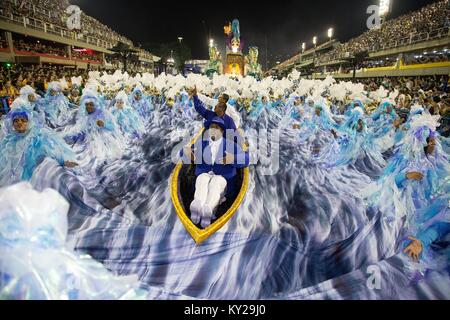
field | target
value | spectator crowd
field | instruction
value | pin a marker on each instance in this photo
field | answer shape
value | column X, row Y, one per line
column 54, row 13
column 429, row 19
column 37, row 46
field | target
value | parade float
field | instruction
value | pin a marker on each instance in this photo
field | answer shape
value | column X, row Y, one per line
column 252, row 67
column 235, row 61
column 214, row 65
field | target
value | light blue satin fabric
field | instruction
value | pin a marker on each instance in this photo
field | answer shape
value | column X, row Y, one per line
column 22, row 152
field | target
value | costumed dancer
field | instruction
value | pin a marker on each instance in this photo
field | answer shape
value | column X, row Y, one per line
column 26, row 145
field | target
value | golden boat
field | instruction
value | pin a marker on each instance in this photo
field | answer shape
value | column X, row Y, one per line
column 182, row 188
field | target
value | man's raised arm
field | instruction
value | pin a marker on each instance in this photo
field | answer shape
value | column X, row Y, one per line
column 199, row 106
column 210, row 102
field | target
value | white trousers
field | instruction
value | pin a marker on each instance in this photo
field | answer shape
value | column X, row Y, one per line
column 209, row 191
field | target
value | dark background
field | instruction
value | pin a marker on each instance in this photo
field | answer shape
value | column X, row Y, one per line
column 285, row 24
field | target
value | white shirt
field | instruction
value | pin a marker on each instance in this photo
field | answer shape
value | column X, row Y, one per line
column 214, row 145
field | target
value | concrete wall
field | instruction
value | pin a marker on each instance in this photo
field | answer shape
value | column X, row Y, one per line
column 399, row 50
column 411, row 48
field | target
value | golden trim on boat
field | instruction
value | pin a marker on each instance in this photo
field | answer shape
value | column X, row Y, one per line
column 200, row 235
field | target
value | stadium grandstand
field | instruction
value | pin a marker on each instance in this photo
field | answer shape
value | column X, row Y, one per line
column 127, row 178
column 36, row 32
column 417, row 43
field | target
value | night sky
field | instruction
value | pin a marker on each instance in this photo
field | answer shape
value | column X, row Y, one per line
column 285, row 23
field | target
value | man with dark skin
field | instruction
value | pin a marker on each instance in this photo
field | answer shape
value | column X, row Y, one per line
column 138, row 96
column 20, row 125
column 415, row 248
column 74, row 96
column 215, row 171
column 360, row 127
column 32, row 98
column 318, row 112
column 90, row 108
column 219, row 110
column 429, row 149
column 53, row 92
column 215, row 133
column 119, row 104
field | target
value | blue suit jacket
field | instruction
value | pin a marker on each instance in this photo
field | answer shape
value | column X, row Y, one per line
column 204, row 164
column 208, row 115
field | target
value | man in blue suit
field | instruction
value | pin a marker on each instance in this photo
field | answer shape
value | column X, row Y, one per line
column 219, row 110
column 217, row 160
